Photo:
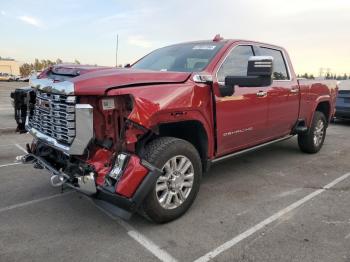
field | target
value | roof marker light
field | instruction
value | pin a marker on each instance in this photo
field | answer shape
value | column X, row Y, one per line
column 218, row 38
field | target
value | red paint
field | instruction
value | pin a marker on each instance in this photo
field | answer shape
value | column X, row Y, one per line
column 157, row 96
column 99, row 81
column 132, row 177
column 100, row 160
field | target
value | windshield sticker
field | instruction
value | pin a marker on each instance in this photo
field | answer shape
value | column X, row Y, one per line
column 204, row 47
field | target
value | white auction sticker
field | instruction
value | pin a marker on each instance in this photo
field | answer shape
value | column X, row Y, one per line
column 204, row 47
column 108, row 104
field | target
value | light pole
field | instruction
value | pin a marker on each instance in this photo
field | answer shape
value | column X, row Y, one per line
column 116, row 52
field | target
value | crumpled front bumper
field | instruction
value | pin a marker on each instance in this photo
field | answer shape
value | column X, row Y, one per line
column 117, row 204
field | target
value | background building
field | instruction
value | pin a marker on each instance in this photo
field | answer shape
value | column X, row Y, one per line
column 9, row 66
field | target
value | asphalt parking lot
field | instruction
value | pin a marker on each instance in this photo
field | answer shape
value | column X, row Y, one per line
column 276, row 204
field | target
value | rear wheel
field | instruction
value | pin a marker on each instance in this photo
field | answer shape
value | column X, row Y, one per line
column 176, row 189
column 312, row 141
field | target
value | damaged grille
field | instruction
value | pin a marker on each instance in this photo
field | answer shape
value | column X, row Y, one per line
column 54, row 116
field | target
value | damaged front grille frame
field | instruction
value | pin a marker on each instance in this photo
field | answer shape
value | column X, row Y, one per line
column 59, row 125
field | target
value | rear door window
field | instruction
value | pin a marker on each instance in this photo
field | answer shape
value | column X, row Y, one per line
column 280, row 71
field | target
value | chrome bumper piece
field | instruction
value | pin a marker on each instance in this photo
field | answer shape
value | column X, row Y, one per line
column 85, row 184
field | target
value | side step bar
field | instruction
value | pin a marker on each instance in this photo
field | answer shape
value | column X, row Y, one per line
column 244, row 151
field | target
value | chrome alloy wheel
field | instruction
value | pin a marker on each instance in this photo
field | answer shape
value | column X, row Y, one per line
column 319, row 132
column 175, row 184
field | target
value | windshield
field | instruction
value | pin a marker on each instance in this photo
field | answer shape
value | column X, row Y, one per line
column 191, row 57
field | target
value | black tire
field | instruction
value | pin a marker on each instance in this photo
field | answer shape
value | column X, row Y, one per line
column 158, row 152
column 307, row 141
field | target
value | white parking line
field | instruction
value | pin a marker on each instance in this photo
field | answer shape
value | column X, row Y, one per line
column 33, row 201
column 152, row 247
column 6, row 145
column 234, row 241
column 10, row 164
column 21, row 148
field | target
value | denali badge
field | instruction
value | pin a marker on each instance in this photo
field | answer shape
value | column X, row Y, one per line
column 239, row 131
column 108, row 104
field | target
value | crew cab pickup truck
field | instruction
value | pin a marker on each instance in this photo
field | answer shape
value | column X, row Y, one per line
column 139, row 138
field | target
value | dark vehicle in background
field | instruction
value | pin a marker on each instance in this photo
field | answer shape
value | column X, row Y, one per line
column 343, row 101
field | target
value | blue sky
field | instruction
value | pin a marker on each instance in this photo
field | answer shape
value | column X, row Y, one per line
column 315, row 32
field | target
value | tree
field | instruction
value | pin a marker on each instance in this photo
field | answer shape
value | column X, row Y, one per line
column 306, row 76
column 37, row 65
column 26, row 69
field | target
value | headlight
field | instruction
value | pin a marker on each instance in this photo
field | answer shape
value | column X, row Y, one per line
column 119, row 166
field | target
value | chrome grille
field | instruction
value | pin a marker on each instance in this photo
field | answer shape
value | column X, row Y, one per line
column 54, row 116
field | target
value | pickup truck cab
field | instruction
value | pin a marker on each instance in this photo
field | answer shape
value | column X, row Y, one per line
column 140, row 138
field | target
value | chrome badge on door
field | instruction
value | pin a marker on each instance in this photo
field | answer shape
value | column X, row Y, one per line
column 239, row 131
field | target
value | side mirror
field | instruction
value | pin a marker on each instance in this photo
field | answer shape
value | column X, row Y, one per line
column 127, row 66
column 259, row 74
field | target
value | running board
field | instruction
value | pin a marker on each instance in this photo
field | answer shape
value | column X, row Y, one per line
column 250, row 149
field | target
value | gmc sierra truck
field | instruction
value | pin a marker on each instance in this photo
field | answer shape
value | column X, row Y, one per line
column 139, row 138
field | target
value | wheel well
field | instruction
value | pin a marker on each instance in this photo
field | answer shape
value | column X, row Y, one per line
column 324, row 108
column 191, row 131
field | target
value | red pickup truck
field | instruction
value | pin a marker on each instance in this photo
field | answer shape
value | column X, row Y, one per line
column 139, row 138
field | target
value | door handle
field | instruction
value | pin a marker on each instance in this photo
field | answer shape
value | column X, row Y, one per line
column 261, row 94
column 294, row 90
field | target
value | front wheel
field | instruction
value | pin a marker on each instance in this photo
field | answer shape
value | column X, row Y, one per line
column 312, row 141
column 177, row 187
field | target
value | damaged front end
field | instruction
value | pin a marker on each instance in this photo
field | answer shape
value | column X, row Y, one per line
column 86, row 143
column 120, row 186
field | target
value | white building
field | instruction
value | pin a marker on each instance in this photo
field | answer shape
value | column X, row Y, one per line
column 9, row 66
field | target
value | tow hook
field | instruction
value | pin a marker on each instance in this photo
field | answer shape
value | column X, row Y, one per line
column 57, row 181
column 25, row 159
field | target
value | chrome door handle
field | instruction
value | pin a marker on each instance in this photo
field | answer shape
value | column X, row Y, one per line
column 261, row 94
column 294, row 90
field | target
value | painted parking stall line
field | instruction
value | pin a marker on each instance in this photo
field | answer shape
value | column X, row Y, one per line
column 234, row 241
column 10, row 164
column 31, row 202
column 21, row 148
column 148, row 244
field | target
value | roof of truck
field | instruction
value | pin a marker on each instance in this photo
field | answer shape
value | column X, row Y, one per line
column 229, row 42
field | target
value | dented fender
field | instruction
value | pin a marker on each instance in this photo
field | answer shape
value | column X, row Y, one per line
column 167, row 103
